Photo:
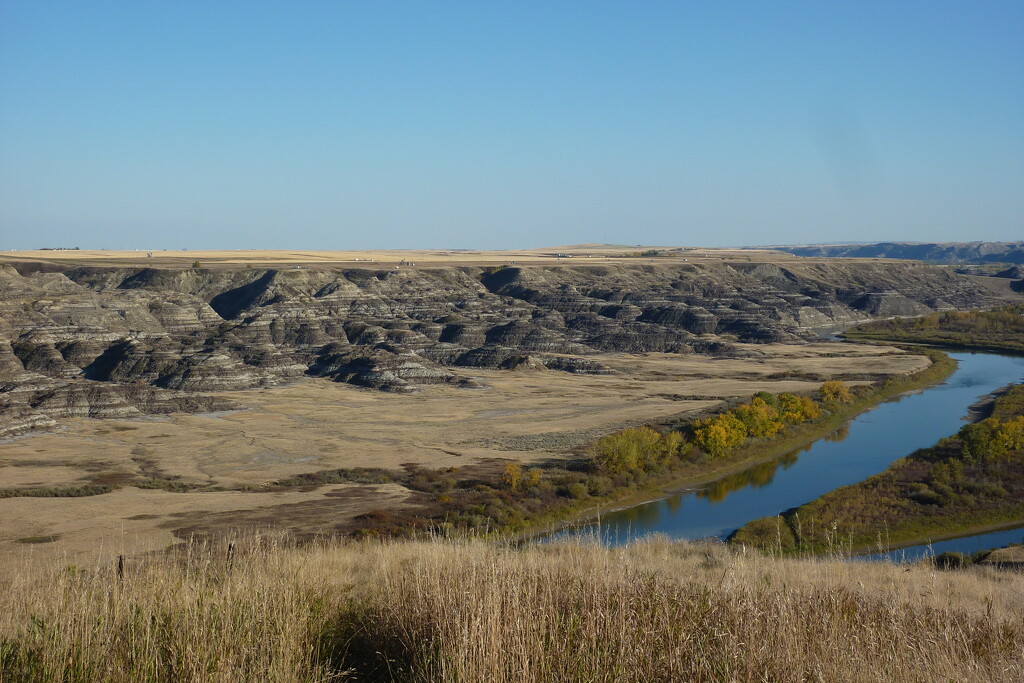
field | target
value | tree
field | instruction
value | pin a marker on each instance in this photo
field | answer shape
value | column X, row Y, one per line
column 759, row 418
column 672, row 445
column 769, row 398
column 835, row 391
column 1007, row 438
column 512, row 476
column 976, row 439
column 533, row 476
column 718, row 435
column 795, row 409
column 636, row 450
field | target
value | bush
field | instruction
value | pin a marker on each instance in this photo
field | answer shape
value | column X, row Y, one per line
column 578, row 491
column 598, row 485
column 951, row 561
column 767, row 533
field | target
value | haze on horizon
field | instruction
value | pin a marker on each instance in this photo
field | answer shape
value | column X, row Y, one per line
column 319, row 125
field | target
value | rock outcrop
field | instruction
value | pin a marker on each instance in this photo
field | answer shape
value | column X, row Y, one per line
column 108, row 342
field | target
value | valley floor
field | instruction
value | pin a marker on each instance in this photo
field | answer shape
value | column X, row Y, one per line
column 215, row 470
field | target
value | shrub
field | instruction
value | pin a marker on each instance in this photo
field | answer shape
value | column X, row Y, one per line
column 951, row 561
column 578, row 491
column 598, row 485
column 767, row 533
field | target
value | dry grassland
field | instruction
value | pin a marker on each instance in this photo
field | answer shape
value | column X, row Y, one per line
column 468, row 611
column 240, row 258
column 317, row 425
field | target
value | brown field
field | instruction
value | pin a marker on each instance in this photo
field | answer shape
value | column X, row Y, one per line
column 318, row 425
column 240, row 258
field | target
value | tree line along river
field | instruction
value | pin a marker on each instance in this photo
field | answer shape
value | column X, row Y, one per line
column 864, row 446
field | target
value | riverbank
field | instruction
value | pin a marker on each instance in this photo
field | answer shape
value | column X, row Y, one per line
column 699, row 474
column 966, row 484
column 937, row 493
column 999, row 534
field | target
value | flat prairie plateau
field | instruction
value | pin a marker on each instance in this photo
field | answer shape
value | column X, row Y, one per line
column 239, row 258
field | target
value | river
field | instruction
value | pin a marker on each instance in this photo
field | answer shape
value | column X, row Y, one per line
column 862, row 447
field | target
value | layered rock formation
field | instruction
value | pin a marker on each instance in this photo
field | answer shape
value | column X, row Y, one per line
column 112, row 342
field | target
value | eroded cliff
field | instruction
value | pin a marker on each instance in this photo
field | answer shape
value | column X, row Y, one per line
column 108, row 342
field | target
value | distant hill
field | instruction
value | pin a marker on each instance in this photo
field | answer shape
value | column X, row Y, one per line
column 933, row 252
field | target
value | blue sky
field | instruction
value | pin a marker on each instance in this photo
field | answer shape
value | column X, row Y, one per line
column 474, row 124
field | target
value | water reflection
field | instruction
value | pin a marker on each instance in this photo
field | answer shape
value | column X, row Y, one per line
column 761, row 475
column 840, row 434
column 757, row 476
column 643, row 516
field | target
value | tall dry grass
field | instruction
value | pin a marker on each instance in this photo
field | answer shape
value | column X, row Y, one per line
column 470, row 611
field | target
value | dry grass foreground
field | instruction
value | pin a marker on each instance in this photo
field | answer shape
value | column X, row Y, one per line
column 469, row 611
column 318, row 425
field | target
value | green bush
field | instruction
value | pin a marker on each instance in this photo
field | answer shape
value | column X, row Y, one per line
column 578, row 491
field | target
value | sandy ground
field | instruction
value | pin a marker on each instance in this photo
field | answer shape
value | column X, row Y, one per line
column 317, row 424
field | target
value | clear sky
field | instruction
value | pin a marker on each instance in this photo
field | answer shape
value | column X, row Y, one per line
column 492, row 124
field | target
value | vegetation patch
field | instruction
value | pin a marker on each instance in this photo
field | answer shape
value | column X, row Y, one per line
column 503, row 497
column 34, row 540
column 57, row 491
column 998, row 330
column 971, row 480
column 358, row 475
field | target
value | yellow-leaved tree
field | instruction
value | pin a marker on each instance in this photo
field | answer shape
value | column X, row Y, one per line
column 718, row 435
column 834, row 391
column 795, row 409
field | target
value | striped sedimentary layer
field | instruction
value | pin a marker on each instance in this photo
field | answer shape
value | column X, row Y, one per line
column 107, row 342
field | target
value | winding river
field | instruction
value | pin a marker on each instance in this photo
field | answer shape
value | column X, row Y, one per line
column 862, row 447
